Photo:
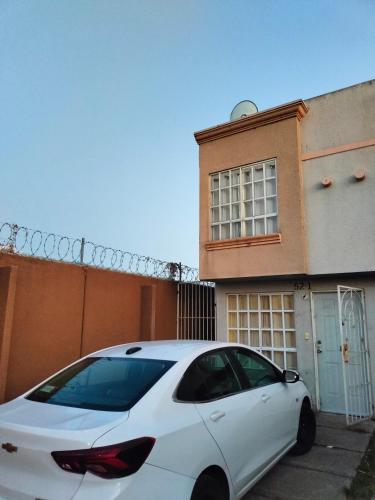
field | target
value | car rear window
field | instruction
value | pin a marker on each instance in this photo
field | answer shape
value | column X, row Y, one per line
column 98, row 383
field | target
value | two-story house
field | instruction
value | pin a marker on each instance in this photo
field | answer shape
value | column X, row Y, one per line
column 287, row 233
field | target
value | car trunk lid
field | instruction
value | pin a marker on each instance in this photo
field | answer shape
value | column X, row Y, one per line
column 30, row 431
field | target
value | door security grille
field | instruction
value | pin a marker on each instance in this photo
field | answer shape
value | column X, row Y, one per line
column 355, row 354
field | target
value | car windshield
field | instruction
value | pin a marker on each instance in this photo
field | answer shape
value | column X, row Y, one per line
column 98, row 383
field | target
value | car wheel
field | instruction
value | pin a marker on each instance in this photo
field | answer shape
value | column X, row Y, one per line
column 306, row 431
column 208, row 488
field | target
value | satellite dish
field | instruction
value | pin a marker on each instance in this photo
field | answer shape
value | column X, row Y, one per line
column 242, row 109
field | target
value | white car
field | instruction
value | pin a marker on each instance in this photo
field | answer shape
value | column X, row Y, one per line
column 166, row 420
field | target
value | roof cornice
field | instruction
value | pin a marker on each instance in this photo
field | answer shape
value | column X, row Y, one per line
column 296, row 109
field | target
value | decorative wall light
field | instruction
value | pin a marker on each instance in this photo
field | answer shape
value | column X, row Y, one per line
column 360, row 174
column 326, row 182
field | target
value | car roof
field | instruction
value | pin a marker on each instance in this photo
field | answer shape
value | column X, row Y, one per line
column 173, row 350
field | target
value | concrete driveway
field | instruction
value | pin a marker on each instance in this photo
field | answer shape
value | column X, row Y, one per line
column 325, row 472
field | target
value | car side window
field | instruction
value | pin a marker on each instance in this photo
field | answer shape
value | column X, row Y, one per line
column 209, row 377
column 258, row 371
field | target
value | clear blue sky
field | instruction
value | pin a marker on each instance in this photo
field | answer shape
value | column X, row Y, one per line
column 100, row 99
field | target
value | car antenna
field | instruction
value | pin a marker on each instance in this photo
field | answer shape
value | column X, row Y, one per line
column 132, row 350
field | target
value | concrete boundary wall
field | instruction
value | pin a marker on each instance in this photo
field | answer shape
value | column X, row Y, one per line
column 52, row 313
column 7, row 295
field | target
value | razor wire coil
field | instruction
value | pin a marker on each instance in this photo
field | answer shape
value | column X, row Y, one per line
column 15, row 239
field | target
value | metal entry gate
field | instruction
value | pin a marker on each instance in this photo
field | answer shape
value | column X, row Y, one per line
column 196, row 311
column 355, row 354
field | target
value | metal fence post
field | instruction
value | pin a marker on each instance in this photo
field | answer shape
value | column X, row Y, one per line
column 13, row 238
column 82, row 252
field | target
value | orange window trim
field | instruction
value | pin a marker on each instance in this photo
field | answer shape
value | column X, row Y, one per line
column 266, row 239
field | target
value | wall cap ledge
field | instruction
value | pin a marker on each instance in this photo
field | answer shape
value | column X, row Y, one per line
column 295, row 109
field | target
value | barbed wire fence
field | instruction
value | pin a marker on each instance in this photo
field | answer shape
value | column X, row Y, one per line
column 15, row 239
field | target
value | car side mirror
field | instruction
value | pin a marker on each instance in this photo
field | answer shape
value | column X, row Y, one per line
column 290, row 376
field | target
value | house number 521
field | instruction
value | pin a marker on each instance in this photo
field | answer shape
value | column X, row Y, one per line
column 302, row 285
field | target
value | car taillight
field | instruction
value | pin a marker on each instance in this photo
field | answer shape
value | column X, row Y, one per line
column 118, row 460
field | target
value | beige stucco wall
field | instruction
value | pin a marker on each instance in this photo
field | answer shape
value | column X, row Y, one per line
column 341, row 117
column 340, row 228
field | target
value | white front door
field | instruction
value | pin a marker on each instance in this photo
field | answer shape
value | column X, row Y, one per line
column 328, row 342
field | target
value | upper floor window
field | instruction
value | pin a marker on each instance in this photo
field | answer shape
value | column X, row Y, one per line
column 243, row 201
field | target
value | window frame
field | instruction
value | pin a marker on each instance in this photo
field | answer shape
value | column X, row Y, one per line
column 242, row 201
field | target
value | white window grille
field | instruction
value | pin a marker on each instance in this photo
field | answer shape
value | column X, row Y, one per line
column 265, row 322
column 244, row 201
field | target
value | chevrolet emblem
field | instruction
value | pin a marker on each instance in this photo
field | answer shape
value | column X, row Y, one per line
column 9, row 447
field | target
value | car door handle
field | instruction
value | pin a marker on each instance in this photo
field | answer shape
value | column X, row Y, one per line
column 265, row 398
column 217, row 415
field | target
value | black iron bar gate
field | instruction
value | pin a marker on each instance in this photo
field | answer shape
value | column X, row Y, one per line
column 196, row 311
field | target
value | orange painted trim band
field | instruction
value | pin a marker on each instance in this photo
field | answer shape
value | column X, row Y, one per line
column 244, row 242
column 338, row 149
